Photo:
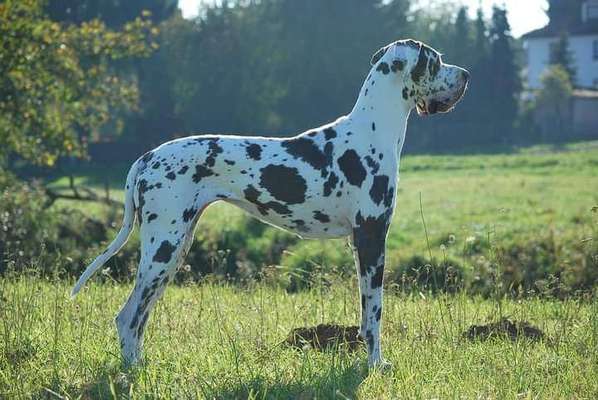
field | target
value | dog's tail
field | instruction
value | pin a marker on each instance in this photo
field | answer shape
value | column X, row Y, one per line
column 122, row 236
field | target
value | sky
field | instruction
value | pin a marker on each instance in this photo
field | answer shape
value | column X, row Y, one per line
column 524, row 15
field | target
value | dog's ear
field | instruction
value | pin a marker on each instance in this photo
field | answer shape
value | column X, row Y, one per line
column 421, row 68
column 378, row 55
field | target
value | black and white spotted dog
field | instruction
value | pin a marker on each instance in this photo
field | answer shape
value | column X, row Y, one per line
column 338, row 180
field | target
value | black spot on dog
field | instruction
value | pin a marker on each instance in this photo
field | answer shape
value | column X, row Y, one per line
column 384, row 68
column 283, row 183
column 329, row 133
column 164, row 252
column 397, row 65
column 229, row 162
column 433, row 68
column 156, row 165
column 369, row 236
column 405, row 93
column 171, row 175
column 380, row 190
column 213, row 150
column 320, row 216
column 330, row 184
column 377, row 56
column 379, row 314
column 420, row 68
column 372, row 164
column 152, row 217
column 307, row 151
column 373, row 126
column 351, row 166
column 147, row 157
column 201, row 172
column 183, row 170
column 189, row 213
column 254, row 151
column 142, row 188
column 378, row 277
column 252, row 195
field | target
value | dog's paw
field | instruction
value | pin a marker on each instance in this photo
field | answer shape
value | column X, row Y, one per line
column 381, row 365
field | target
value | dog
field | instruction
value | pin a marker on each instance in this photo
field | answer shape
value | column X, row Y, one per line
column 337, row 180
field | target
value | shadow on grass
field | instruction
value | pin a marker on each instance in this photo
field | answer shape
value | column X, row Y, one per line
column 112, row 380
column 338, row 382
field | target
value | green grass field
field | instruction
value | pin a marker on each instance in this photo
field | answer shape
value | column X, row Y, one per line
column 474, row 206
column 214, row 341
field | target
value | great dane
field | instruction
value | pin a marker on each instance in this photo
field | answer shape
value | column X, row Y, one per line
column 337, row 180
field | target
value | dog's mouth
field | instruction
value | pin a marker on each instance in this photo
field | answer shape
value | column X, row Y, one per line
column 434, row 106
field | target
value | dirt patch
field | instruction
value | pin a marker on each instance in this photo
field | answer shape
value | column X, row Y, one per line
column 325, row 336
column 504, row 328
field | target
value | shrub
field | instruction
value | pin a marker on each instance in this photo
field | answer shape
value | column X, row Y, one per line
column 311, row 261
column 422, row 275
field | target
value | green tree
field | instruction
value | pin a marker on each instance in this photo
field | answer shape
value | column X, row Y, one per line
column 114, row 13
column 553, row 101
column 463, row 45
column 504, row 78
column 55, row 84
column 562, row 55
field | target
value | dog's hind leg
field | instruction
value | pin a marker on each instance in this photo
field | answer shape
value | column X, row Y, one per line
column 164, row 245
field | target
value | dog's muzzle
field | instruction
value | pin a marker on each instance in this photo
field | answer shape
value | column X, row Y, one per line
column 434, row 106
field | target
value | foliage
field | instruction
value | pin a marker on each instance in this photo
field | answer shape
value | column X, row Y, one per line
column 56, row 84
column 419, row 274
column 561, row 55
column 114, row 13
column 553, row 100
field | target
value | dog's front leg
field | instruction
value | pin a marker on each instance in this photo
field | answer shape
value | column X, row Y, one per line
column 369, row 238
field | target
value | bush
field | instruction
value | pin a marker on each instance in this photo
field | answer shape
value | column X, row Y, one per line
column 421, row 275
column 312, row 261
column 54, row 241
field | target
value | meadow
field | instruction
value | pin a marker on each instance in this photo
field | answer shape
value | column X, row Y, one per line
column 217, row 341
column 518, row 231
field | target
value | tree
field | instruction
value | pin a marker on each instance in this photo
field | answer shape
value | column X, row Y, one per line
column 563, row 56
column 463, row 46
column 553, row 101
column 504, row 76
column 114, row 13
column 55, row 84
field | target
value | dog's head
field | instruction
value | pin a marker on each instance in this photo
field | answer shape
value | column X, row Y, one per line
column 426, row 83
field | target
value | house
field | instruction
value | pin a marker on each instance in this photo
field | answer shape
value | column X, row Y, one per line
column 579, row 19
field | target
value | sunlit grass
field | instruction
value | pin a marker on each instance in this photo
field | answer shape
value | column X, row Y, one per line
column 213, row 341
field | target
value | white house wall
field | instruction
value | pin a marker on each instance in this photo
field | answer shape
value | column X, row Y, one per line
column 538, row 58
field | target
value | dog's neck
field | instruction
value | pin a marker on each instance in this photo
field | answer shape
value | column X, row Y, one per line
column 383, row 110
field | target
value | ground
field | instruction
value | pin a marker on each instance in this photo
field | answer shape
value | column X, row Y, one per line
column 223, row 342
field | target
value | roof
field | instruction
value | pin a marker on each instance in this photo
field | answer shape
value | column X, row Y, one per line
column 554, row 30
column 585, row 93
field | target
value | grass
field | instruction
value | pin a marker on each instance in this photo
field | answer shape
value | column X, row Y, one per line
column 215, row 341
column 222, row 341
column 541, row 193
